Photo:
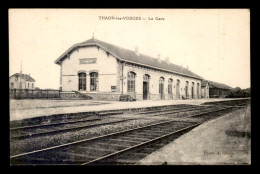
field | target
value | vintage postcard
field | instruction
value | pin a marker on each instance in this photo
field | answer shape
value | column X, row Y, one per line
column 129, row 87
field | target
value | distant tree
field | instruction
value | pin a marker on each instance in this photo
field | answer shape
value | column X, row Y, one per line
column 248, row 90
column 238, row 89
column 240, row 93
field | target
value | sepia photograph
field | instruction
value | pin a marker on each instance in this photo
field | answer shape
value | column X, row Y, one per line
column 132, row 87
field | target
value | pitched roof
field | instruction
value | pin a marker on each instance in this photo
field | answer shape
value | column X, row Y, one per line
column 204, row 83
column 213, row 84
column 130, row 56
column 25, row 77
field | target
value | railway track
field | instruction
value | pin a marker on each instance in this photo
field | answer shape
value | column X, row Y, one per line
column 24, row 132
column 171, row 110
column 106, row 149
column 229, row 102
column 50, row 129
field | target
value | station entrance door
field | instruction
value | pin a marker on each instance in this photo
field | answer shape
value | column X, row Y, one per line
column 178, row 89
column 145, row 90
column 146, row 87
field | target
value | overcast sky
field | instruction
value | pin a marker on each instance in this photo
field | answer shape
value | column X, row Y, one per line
column 214, row 43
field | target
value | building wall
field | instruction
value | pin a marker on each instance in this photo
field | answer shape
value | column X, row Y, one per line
column 106, row 66
column 110, row 74
column 154, row 83
column 16, row 83
column 205, row 91
column 216, row 92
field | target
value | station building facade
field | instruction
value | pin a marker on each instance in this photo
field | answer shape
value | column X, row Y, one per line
column 105, row 71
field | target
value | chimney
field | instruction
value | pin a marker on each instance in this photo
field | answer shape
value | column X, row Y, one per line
column 137, row 51
column 159, row 57
column 167, row 60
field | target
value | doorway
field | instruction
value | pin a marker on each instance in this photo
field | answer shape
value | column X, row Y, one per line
column 146, row 79
column 192, row 90
column 161, row 88
column 145, row 90
column 178, row 89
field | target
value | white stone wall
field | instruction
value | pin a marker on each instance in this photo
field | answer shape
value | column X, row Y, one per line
column 106, row 66
column 205, row 92
column 110, row 74
column 31, row 85
column 17, row 83
column 154, row 83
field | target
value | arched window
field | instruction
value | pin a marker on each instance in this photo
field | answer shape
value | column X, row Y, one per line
column 93, row 81
column 131, row 82
column 146, row 78
column 161, row 80
column 12, row 85
column 82, row 81
column 161, row 87
column 192, row 89
column 170, row 86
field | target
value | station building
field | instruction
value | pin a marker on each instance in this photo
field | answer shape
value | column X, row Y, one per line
column 105, row 71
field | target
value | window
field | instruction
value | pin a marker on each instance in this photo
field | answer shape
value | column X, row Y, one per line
column 187, row 89
column 93, row 81
column 131, row 82
column 12, row 85
column 146, row 78
column 192, row 89
column 16, row 78
column 82, row 81
column 28, row 85
column 32, row 85
column 170, row 86
column 161, row 84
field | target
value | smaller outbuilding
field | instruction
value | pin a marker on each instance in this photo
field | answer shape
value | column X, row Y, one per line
column 218, row 90
column 21, row 81
column 205, row 89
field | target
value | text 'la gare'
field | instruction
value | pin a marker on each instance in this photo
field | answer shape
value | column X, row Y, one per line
column 156, row 18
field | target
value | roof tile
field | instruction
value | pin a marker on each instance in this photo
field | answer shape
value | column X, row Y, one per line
column 130, row 56
column 24, row 76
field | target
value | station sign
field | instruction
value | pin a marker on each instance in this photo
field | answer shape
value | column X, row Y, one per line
column 88, row 61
